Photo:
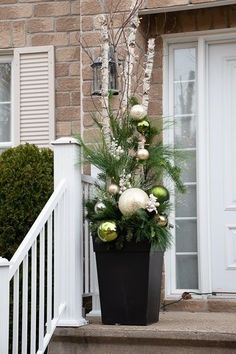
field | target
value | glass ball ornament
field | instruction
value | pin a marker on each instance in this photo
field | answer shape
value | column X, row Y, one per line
column 99, row 206
column 113, row 189
column 162, row 220
column 143, row 127
column 107, row 231
column 137, row 112
column 131, row 200
column 142, row 154
column 161, row 193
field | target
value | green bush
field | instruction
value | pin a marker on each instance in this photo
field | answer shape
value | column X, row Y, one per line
column 26, row 183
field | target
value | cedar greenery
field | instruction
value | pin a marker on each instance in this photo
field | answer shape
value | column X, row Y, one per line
column 162, row 163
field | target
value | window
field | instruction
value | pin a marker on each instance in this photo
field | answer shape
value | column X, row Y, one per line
column 5, row 103
column 182, row 107
column 27, row 105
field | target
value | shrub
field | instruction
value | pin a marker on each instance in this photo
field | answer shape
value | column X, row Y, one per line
column 26, row 182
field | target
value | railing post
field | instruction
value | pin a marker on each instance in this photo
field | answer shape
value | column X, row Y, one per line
column 4, row 304
column 68, row 248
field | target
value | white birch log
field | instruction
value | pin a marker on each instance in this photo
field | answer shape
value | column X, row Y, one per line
column 130, row 58
column 148, row 73
column 105, row 79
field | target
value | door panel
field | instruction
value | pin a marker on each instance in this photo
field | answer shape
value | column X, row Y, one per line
column 222, row 160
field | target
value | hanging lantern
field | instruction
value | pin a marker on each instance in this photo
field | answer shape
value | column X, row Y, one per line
column 97, row 74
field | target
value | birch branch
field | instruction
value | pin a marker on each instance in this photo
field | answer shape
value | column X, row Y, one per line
column 130, row 59
column 148, row 72
column 105, row 79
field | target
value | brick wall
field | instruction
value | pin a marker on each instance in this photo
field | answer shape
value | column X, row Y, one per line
column 39, row 22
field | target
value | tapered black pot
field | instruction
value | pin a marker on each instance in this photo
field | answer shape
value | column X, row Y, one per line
column 129, row 283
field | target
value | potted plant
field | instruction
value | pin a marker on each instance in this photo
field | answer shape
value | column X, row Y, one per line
column 129, row 216
column 129, row 212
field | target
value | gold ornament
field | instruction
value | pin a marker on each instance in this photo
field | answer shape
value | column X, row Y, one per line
column 131, row 200
column 99, row 206
column 137, row 112
column 143, row 127
column 107, row 231
column 161, row 193
column 162, row 220
column 142, row 154
column 113, row 189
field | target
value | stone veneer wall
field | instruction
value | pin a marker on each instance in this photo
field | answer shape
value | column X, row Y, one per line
column 26, row 23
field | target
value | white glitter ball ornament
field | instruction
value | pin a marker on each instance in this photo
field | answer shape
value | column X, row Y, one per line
column 137, row 112
column 131, row 200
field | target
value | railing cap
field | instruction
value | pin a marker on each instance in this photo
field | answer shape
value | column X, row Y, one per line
column 65, row 140
column 4, row 262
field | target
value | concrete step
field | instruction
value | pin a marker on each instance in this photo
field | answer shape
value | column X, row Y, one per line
column 211, row 304
column 175, row 333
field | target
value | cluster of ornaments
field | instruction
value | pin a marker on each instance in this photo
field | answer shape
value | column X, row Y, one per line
column 138, row 115
column 129, row 202
column 132, row 199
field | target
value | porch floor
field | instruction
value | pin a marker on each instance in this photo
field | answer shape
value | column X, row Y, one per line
column 176, row 332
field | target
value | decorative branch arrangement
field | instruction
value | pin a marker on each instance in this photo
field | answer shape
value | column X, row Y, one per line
column 131, row 202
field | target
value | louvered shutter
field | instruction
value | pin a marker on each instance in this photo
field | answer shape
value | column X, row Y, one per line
column 34, row 95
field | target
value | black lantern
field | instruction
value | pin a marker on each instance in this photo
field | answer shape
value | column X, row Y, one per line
column 97, row 77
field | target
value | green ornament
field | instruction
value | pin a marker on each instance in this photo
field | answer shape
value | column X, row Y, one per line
column 161, row 193
column 143, row 127
column 107, row 231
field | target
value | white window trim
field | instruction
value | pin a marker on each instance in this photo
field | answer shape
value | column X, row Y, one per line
column 6, row 57
column 203, row 39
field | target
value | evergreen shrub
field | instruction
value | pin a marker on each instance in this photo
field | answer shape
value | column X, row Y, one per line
column 26, row 183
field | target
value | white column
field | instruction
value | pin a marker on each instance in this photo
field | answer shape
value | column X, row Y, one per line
column 68, row 245
column 4, row 304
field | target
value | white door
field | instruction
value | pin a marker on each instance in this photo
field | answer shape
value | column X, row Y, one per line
column 222, row 160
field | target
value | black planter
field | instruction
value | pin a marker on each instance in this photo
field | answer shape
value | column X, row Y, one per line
column 129, row 283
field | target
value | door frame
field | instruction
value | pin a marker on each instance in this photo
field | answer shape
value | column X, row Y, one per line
column 202, row 40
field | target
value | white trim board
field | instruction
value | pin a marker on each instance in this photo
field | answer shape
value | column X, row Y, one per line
column 186, row 7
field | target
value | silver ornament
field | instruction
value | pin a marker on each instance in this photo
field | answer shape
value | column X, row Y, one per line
column 137, row 112
column 142, row 154
column 131, row 200
column 113, row 189
column 99, row 206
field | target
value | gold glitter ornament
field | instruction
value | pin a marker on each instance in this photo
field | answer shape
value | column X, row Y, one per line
column 113, row 189
column 142, row 154
column 137, row 112
column 162, row 220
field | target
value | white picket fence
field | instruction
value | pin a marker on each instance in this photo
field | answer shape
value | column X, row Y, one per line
column 43, row 284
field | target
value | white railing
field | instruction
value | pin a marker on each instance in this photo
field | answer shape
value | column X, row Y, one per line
column 90, row 287
column 41, row 286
